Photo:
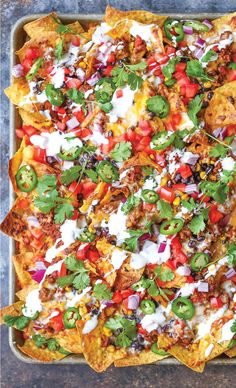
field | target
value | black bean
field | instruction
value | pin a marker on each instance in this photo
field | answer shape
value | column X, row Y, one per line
column 110, row 133
column 177, row 178
column 210, row 95
column 200, row 238
column 192, row 243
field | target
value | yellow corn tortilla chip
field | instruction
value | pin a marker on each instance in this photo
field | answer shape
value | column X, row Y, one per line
column 30, row 349
column 36, row 119
column 144, row 357
column 22, row 263
column 221, row 110
column 22, row 294
column 13, row 224
column 224, row 23
column 14, row 310
column 70, row 340
column 231, row 352
column 140, row 159
column 126, row 276
column 112, row 16
column 17, row 92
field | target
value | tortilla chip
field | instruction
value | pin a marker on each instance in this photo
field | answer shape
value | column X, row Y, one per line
column 14, row 310
column 112, row 16
column 231, row 352
column 17, row 91
column 126, row 276
column 22, row 294
column 144, row 357
column 224, row 23
column 140, row 159
column 70, row 340
column 30, row 349
column 221, row 110
column 97, row 356
column 13, row 225
column 22, row 263
column 36, row 119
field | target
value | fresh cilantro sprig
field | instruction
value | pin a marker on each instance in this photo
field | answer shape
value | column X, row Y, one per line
column 78, row 97
column 194, row 108
column 209, row 56
column 101, row 291
column 59, row 49
column 218, row 151
column 198, row 224
column 216, row 190
column 127, row 330
column 165, row 275
column 122, row 151
column 169, row 69
column 51, row 343
column 189, row 205
column 34, row 69
column 195, row 69
column 132, row 241
column 151, row 287
column 231, row 253
column 126, row 75
column 79, row 278
column 131, row 202
column 165, row 209
column 233, row 327
column 20, row 322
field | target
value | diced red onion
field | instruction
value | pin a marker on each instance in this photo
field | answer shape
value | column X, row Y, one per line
column 39, row 265
column 198, row 53
column 38, row 275
column 133, row 302
column 33, row 221
column 145, row 236
column 17, row 71
column 220, row 132
column 72, row 123
column 225, row 220
column 183, row 270
column 123, row 199
column 203, row 287
column 193, row 188
column 192, row 159
column 108, row 303
column 80, row 74
column 188, row 30
column 200, row 42
column 207, row 23
column 94, row 79
column 231, row 272
column 162, row 247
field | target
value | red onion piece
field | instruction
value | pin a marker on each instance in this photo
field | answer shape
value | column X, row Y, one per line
column 108, row 303
column 17, row 71
column 190, row 158
column 39, row 265
column 145, row 236
column 198, row 53
column 162, row 247
column 33, row 221
column 203, row 287
column 94, row 79
column 133, row 302
column 183, row 270
column 230, row 273
column 188, row 30
column 200, row 42
column 193, row 188
column 225, row 220
column 72, row 123
column 38, row 275
column 208, row 23
column 220, row 132
column 123, row 199
column 80, row 74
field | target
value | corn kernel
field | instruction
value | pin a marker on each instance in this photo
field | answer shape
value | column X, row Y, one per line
column 107, row 332
column 207, row 84
column 212, row 177
column 87, row 317
column 197, row 167
column 184, row 196
column 81, row 304
column 176, row 202
column 82, row 64
column 203, row 175
column 164, row 181
column 111, row 348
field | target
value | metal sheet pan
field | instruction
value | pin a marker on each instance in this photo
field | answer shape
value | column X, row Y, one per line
column 18, row 37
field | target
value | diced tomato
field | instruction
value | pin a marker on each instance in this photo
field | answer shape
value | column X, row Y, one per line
column 166, row 193
column 138, row 41
column 191, row 90
column 73, row 83
column 180, row 66
column 179, row 187
column 233, row 279
column 27, row 64
column 204, row 198
column 161, row 59
column 145, row 127
column 125, row 303
column 31, row 53
column 106, row 148
column 119, row 93
column 170, row 50
column 20, row 133
column 108, row 70
column 75, row 215
column 216, row 303
column 131, row 135
column 176, row 118
column 117, row 298
column 149, row 206
column 178, row 256
column 160, row 283
column 63, row 270
column 56, row 322
column 75, row 41
column 29, row 130
column 222, row 70
column 87, row 188
column 85, row 132
column 111, row 58
column 79, row 115
column 231, row 76
column 214, row 214
column 182, row 44
column 82, row 251
column 61, row 126
column 39, row 155
column 93, row 255
column 126, row 293
column 190, row 279
column 36, row 232
column 231, row 130
column 171, row 264
column 176, row 244
column 75, row 187
column 23, row 203
column 185, row 171
column 141, row 330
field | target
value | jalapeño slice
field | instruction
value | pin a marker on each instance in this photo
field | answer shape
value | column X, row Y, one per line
column 196, row 25
column 149, row 196
column 156, row 350
column 26, row 178
column 55, row 96
column 70, row 316
column 107, row 172
column 171, row 226
column 147, row 306
column 183, row 308
column 70, row 154
column 174, row 30
column 162, row 140
column 199, row 261
column 87, row 236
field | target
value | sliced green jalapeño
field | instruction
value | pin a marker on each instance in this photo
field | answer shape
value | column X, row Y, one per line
column 174, row 30
column 173, row 226
column 183, row 308
column 162, row 140
column 26, row 178
column 149, row 196
column 199, row 261
column 70, row 316
column 107, row 172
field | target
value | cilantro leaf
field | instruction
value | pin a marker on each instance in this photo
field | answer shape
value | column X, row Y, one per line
column 195, row 69
column 122, row 151
column 63, row 211
column 193, row 108
column 52, row 344
column 209, row 56
column 70, row 175
column 232, row 65
column 92, row 175
column 75, row 95
column 132, row 241
column 143, row 283
column 46, row 183
column 152, row 289
column 231, row 253
column 20, row 322
column 81, row 281
column 44, row 205
column 120, row 77
column 134, row 81
column 34, row 69
column 72, row 264
column 128, row 330
column 218, row 150
column 197, row 224
column 101, row 291
column 165, row 275
column 233, row 327
column 126, row 75
column 190, row 205
column 169, row 69
column 39, row 340
column 132, row 202
column 122, row 340
column 114, row 323
column 216, row 190
column 165, row 209
column 137, row 66
column 59, row 49
column 227, row 176
column 65, row 280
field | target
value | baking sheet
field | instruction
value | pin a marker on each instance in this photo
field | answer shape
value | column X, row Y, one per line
column 18, row 37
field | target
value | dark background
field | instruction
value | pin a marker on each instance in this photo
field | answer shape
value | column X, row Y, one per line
column 14, row 373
